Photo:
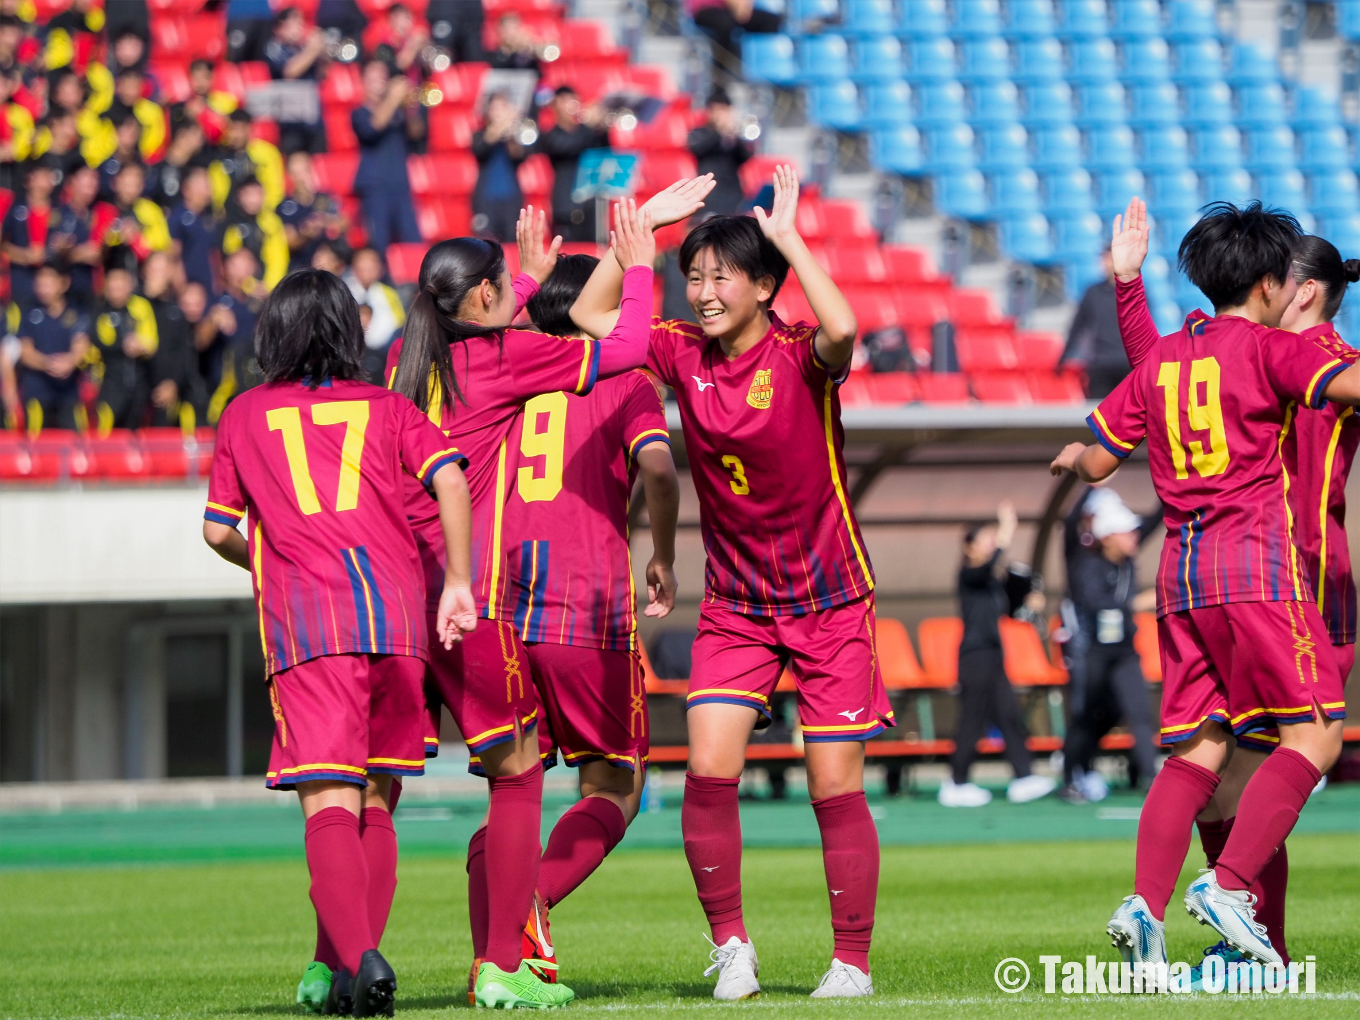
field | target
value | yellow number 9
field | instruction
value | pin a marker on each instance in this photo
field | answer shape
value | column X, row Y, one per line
column 740, row 486
column 548, row 444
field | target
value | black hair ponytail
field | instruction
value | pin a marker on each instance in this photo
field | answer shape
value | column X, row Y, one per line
column 450, row 270
column 1315, row 258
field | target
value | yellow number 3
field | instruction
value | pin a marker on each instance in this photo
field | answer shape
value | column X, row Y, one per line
column 353, row 414
column 739, row 484
column 1204, row 416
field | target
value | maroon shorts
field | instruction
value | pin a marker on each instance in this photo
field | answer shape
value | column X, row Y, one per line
column 346, row 717
column 594, row 703
column 1247, row 666
column 738, row 660
column 486, row 684
column 1269, row 738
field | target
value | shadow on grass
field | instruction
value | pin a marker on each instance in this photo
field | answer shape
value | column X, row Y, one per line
column 597, row 993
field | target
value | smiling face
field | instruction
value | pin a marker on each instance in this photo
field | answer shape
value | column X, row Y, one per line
column 724, row 299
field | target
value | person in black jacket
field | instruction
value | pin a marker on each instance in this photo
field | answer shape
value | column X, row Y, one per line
column 178, row 394
column 985, row 695
column 1093, row 340
column 720, row 150
column 576, row 131
column 496, row 200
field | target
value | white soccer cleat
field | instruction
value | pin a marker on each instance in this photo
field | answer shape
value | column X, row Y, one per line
column 843, row 981
column 954, row 794
column 1031, row 787
column 737, row 967
column 1231, row 913
column 1139, row 937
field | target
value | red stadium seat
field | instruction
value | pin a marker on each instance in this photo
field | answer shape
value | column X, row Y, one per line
column 758, row 171
column 652, row 81
column 335, row 171
column 165, row 452
column 169, row 39
column 1038, row 351
column 207, row 36
column 254, row 73
column 588, row 40
column 64, row 448
column 909, row 265
column 848, row 219
column 791, row 305
column 918, row 307
column 943, row 388
column 854, row 392
column 668, row 130
column 403, row 262
column 162, row 7
column 496, row 8
column 265, row 130
column 172, row 80
column 1055, row 388
column 229, row 78
column 1000, row 388
column 810, row 221
column 592, row 82
column 662, row 169
column 894, row 388
column 442, row 173
column 441, row 217
column 855, row 264
column 971, row 307
column 339, row 131
column 342, row 86
column 450, row 129
column 117, row 456
column 19, row 463
column 6, row 200
column 938, row 638
column 985, row 348
column 874, row 307
column 536, row 175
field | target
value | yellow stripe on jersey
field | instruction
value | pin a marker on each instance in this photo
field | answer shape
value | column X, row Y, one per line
column 1100, row 420
column 226, row 509
column 1309, row 397
column 632, row 447
column 259, row 588
column 1326, row 495
column 496, row 535
column 420, row 475
column 840, row 489
column 1289, row 415
column 585, row 366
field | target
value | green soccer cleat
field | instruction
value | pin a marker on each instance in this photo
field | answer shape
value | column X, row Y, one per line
column 497, row 989
column 315, row 987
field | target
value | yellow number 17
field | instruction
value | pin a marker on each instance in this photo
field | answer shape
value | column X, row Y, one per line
column 353, row 414
column 1204, row 416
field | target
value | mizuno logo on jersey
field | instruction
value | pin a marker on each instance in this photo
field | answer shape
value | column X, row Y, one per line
column 701, row 384
column 714, row 868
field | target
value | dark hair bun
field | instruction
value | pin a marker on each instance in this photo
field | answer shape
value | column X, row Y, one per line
column 1352, row 270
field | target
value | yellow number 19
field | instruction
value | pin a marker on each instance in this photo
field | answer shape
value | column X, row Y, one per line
column 1204, row 416
column 353, row 414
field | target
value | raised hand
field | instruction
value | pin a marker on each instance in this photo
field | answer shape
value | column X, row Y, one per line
column 680, row 201
column 530, row 234
column 1129, row 242
column 457, row 614
column 631, row 238
column 779, row 224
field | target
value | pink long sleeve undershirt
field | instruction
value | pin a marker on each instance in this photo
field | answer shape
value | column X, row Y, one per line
column 1136, row 327
column 625, row 348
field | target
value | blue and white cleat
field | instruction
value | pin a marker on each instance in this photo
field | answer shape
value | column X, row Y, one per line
column 1139, row 937
column 1221, row 949
column 1231, row 913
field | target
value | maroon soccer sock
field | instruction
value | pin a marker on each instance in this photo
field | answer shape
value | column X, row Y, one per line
column 1213, row 837
column 1270, row 890
column 335, row 858
column 477, row 910
column 1272, row 800
column 850, row 855
column 325, row 951
column 710, row 820
column 380, row 851
column 578, row 843
column 512, row 854
column 1179, row 793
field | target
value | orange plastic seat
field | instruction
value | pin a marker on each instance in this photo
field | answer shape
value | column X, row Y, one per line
column 896, row 657
column 939, row 638
column 1146, row 645
column 1027, row 664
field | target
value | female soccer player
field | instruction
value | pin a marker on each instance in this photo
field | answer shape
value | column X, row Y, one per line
column 317, row 458
column 788, row 581
column 462, row 364
column 1318, row 450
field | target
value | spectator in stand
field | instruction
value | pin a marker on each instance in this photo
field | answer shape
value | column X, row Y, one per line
column 241, row 157
column 125, row 338
column 128, row 51
column 126, row 17
column 178, row 396
column 165, row 179
column 308, row 215
column 10, row 404
column 725, row 21
column 720, row 150
column 81, row 223
column 140, row 227
column 54, row 339
column 387, row 314
column 248, row 29
column 1093, row 340
column 294, row 54
column 225, row 337
column 253, row 227
column 127, row 134
column 456, row 25
column 517, row 49
column 206, row 106
column 342, row 21
column 496, row 200
column 985, row 694
column 575, row 131
column 129, row 99
column 72, row 36
column 390, row 119
column 330, row 257
column 195, row 230
column 402, row 43
column 24, row 233
column 11, row 35
column 16, row 132
column 58, row 138
column 66, row 93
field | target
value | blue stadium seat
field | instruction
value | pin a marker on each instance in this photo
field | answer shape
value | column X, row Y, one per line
column 886, row 104
column 1333, row 193
column 1313, row 108
column 1081, row 19
column 823, row 58
column 930, row 60
column 1090, row 60
column 1348, row 19
column 810, row 15
column 1199, row 60
column 1154, row 105
column 949, row 148
column 1207, row 104
column 1002, row 148
column 1036, row 60
column 974, row 19
column 1190, row 298
column 1078, row 236
column 962, row 194
column 1173, row 191
column 1029, row 19
column 1284, row 189
column 1168, row 229
column 897, row 150
column 1056, row 147
column 869, row 18
column 1137, row 19
column 1109, row 148
column 993, row 103
column 1227, row 186
column 1323, row 148
column 1145, row 60
column 923, row 19
column 1047, row 103
column 835, row 104
column 1215, row 148
column 940, row 104
column 984, row 59
column 1067, row 192
column 1100, row 104
column 1163, row 148
column 1015, row 192
column 1261, row 103
column 877, row 58
column 1270, row 148
column 1250, row 65
column 769, row 58
column 1114, row 189
column 1025, row 237
column 1191, row 20
column 1344, row 232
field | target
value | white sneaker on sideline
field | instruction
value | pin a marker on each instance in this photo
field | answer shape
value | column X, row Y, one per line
column 1231, row 913
column 1031, row 787
column 737, row 967
column 1092, row 786
column 843, row 981
column 954, row 794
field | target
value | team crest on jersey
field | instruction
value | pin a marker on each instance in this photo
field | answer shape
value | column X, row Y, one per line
column 758, row 396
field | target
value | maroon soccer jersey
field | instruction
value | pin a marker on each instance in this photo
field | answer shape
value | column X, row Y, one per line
column 763, row 436
column 321, row 472
column 571, row 466
column 1213, row 401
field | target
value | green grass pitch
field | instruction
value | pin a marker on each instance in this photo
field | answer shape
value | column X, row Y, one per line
column 228, row 939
